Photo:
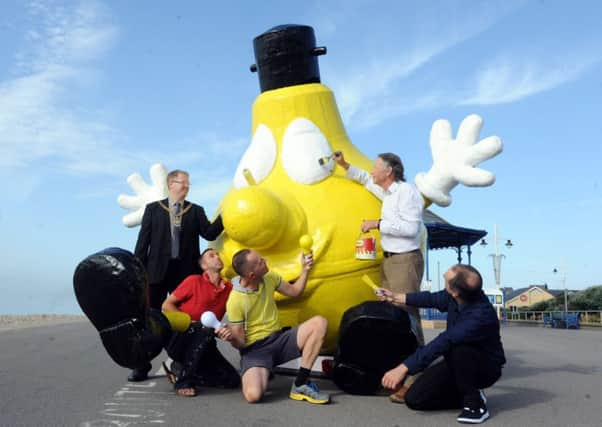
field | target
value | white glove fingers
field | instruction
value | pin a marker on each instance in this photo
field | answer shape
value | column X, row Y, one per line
column 137, row 183
column 130, row 202
column 158, row 174
column 469, row 130
column 133, row 219
column 486, row 149
column 441, row 130
column 475, row 177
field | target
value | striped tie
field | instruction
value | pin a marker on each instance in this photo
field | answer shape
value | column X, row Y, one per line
column 175, row 233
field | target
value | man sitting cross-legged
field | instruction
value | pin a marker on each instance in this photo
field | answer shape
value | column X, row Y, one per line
column 257, row 333
column 201, row 362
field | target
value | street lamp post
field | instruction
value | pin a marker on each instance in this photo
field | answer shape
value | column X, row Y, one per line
column 497, row 260
column 566, row 300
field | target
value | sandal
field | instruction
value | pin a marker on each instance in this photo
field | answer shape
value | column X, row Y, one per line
column 185, row 389
column 171, row 376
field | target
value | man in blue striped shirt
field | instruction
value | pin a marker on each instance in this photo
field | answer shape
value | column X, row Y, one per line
column 471, row 347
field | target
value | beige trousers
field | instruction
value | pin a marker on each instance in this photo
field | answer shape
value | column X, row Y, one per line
column 403, row 273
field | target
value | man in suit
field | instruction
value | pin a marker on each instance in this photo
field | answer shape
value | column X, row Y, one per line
column 168, row 243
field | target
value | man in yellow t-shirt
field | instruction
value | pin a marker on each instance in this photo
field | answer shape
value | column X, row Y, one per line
column 258, row 335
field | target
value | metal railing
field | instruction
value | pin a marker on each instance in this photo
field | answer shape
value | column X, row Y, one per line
column 432, row 314
column 586, row 318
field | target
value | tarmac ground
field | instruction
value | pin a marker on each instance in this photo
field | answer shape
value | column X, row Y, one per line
column 61, row 375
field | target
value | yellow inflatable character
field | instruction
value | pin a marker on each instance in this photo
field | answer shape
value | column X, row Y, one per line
column 287, row 185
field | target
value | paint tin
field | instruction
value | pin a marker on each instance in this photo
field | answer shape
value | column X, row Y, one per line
column 365, row 248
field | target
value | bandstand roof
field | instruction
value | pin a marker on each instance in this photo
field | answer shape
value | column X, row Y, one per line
column 442, row 234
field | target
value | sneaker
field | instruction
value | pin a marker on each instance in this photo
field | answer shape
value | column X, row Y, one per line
column 473, row 416
column 309, row 392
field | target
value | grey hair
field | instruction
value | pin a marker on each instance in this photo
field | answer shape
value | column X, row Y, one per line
column 394, row 162
column 174, row 174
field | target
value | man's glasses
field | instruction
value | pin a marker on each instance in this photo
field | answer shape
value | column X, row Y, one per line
column 181, row 182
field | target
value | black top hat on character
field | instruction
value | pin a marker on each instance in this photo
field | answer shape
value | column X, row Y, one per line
column 286, row 55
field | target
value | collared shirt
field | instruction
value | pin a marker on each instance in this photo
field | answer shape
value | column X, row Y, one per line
column 256, row 310
column 197, row 294
column 401, row 212
column 475, row 323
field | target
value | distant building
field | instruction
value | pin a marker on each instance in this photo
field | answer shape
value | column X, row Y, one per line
column 526, row 297
column 507, row 291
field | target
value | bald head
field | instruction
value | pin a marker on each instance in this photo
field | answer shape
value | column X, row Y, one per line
column 466, row 281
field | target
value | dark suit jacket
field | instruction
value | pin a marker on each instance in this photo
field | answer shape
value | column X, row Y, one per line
column 153, row 247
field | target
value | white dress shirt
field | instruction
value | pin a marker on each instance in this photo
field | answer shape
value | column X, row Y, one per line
column 401, row 213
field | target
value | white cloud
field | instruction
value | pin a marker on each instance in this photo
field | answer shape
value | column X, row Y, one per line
column 208, row 190
column 372, row 94
column 36, row 122
column 369, row 86
column 391, row 107
column 211, row 168
column 216, row 147
column 509, row 80
column 68, row 36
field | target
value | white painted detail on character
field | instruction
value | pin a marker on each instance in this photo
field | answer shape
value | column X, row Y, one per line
column 455, row 160
column 259, row 158
column 303, row 145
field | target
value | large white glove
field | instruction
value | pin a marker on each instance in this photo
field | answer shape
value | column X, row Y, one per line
column 455, row 160
column 145, row 194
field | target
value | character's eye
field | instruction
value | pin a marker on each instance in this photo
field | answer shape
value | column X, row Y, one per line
column 259, row 158
column 306, row 155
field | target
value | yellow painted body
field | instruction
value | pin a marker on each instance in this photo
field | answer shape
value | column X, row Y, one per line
column 273, row 214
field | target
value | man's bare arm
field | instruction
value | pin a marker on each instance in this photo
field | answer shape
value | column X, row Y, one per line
column 171, row 303
column 237, row 337
column 297, row 288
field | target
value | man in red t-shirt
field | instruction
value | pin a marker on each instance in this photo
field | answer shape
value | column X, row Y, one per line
column 195, row 349
column 202, row 292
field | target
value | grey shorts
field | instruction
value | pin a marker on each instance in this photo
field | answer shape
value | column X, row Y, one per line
column 273, row 350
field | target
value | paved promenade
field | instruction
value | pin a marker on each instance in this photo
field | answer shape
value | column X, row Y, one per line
column 60, row 375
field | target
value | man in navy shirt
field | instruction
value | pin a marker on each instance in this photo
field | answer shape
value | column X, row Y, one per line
column 471, row 347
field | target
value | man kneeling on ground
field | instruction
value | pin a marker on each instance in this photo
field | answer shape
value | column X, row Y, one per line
column 195, row 350
column 471, row 347
column 257, row 333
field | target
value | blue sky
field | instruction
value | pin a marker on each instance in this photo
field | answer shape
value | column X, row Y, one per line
column 92, row 91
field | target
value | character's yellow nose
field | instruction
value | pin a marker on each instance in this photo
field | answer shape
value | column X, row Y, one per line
column 254, row 217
